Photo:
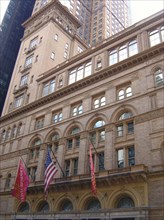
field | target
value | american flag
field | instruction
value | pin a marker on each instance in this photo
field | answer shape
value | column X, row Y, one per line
column 50, row 170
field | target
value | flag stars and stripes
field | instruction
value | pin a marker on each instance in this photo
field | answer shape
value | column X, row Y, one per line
column 50, row 171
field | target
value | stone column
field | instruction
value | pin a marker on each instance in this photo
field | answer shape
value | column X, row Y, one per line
column 109, row 153
column 82, row 166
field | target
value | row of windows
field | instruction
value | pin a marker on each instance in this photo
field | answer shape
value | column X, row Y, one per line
column 92, row 204
column 125, row 155
column 13, row 132
column 77, row 74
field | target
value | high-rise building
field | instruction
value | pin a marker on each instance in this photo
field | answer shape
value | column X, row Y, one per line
column 100, row 19
column 66, row 97
column 11, row 33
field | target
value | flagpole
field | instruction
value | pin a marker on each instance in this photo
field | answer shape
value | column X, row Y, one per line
column 32, row 177
column 58, row 162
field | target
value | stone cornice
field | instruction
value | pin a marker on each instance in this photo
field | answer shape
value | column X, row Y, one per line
column 94, row 78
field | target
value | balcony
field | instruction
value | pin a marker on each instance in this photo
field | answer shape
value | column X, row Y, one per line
column 26, row 68
column 31, row 49
column 133, row 174
column 20, row 89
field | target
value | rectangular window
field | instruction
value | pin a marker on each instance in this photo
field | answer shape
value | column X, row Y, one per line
column 56, row 37
column 131, row 156
column 39, row 123
column 70, row 143
column 75, row 166
column 113, row 57
column 119, row 130
column 67, row 167
column 19, row 101
column 48, row 88
column 120, row 158
column 52, row 55
column 80, row 72
column 28, row 61
column 24, row 80
column 33, row 43
column 101, row 161
column 130, row 127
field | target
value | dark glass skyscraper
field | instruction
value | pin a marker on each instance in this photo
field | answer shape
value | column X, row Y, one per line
column 11, row 33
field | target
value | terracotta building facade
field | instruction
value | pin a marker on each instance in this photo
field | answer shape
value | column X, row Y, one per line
column 65, row 96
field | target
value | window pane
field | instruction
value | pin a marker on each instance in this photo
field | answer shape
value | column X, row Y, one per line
column 60, row 117
column 102, row 101
column 130, row 128
column 125, row 115
column 120, row 130
column 162, row 33
column 154, row 38
column 52, row 86
column 75, row 168
column 121, row 95
column 72, row 77
column 67, row 167
column 133, row 48
column 80, row 73
column 120, row 158
column 159, row 79
column 123, row 53
column 69, row 144
column 87, row 70
column 128, row 92
column 74, row 113
column 102, row 136
column 99, row 124
column 131, row 156
column 96, row 103
column 113, row 57
column 80, row 109
column 101, row 161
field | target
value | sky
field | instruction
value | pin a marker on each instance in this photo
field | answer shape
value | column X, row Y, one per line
column 140, row 9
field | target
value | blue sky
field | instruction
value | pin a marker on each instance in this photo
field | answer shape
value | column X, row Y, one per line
column 139, row 8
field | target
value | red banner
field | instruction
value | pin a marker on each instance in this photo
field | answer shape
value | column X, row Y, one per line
column 93, row 179
column 21, row 183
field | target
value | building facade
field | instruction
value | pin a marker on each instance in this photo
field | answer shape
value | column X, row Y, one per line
column 110, row 96
column 100, row 19
column 11, row 33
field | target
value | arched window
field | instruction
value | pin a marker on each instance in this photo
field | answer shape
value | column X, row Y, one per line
column 54, row 145
column 8, row 180
column 43, row 207
column 74, row 140
column 99, row 101
column 124, row 128
column 99, row 124
column 35, row 148
column 77, row 110
column 24, row 207
column 124, row 92
column 125, row 202
column 97, row 138
column 66, row 206
column 93, row 205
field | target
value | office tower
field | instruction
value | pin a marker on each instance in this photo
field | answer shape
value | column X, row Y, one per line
column 108, row 97
column 100, row 19
column 11, row 33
